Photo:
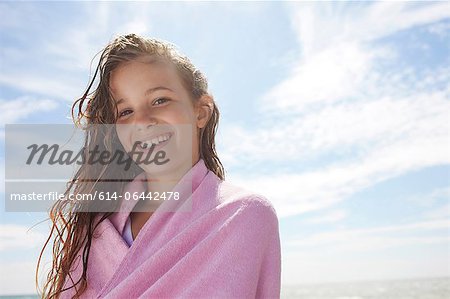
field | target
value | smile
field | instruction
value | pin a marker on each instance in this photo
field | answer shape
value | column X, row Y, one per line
column 163, row 138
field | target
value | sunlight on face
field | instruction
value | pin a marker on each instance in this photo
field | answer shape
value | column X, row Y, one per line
column 156, row 116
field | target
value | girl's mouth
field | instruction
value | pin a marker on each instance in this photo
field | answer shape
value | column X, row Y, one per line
column 156, row 142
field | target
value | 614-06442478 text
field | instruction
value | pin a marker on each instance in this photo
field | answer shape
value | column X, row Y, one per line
column 155, row 196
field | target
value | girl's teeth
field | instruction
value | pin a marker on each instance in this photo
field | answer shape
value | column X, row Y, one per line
column 155, row 141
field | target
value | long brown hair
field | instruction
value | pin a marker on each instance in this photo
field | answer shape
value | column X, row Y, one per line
column 72, row 227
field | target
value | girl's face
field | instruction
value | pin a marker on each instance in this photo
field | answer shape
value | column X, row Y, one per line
column 156, row 114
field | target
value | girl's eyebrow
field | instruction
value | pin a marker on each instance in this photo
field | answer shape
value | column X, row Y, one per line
column 148, row 92
column 151, row 90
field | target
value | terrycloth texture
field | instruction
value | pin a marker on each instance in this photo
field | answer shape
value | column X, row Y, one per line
column 227, row 246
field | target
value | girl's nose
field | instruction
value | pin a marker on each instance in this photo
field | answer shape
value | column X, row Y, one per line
column 143, row 121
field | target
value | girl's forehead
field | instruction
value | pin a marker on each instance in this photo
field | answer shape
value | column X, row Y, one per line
column 142, row 71
column 144, row 66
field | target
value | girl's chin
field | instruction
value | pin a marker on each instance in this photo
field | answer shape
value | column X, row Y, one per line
column 173, row 167
column 153, row 169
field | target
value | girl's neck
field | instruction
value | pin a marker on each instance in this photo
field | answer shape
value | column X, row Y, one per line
column 165, row 182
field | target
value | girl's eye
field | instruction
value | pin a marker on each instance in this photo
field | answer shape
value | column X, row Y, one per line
column 160, row 101
column 124, row 113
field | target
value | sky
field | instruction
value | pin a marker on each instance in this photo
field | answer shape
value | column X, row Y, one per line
column 337, row 112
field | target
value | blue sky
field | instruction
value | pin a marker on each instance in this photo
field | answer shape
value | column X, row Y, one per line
column 336, row 111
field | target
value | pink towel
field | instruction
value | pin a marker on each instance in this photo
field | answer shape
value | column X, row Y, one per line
column 226, row 246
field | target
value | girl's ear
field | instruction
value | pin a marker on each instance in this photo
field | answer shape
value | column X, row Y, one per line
column 204, row 110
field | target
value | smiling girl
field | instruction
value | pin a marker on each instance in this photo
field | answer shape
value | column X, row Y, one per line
column 215, row 240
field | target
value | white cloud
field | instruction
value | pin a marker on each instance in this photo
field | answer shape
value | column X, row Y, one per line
column 374, row 122
column 343, row 126
column 137, row 26
column 320, row 267
column 19, row 237
column 295, row 193
column 68, row 50
column 20, row 246
column 320, row 25
column 441, row 29
column 377, row 237
column 433, row 205
column 341, row 254
column 11, row 15
column 439, row 212
column 18, row 278
column 76, row 47
column 339, row 58
column 332, row 216
column 22, row 107
column 58, row 86
column 432, row 198
column 328, row 76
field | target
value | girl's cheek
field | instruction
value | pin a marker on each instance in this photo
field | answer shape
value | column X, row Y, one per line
column 181, row 116
column 122, row 138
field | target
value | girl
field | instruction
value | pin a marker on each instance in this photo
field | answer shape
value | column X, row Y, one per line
column 217, row 241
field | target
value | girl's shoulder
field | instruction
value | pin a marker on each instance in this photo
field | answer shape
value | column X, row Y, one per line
column 231, row 194
column 228, row 199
